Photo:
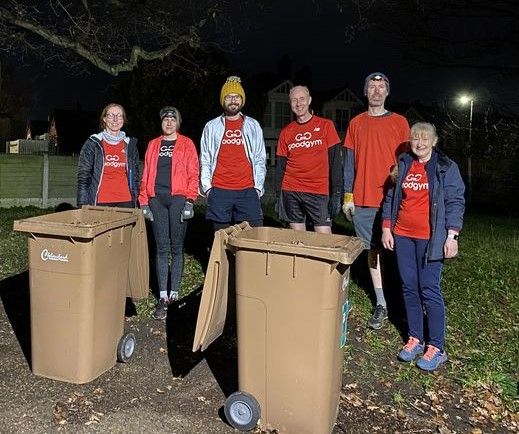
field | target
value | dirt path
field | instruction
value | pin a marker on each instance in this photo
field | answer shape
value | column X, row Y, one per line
column 165, row 388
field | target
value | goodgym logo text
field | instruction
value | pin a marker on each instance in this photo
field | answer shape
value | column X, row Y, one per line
column 113, row 161
column 304, row 140
column 232, row 137
column 412, row 182
column 166, row 151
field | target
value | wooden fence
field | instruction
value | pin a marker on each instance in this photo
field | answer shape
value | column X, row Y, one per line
column 38, row 180
column 48, row 180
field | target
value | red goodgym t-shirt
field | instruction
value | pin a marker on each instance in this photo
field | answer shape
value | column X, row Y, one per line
column 306, row 148
column 413, row 216
column 376, row 141
column 233, row 170
column 114, row 182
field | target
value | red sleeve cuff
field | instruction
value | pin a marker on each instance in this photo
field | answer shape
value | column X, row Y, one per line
column 386, row 223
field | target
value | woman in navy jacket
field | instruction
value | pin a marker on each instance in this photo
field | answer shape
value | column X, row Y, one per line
column 108, row 166
column 422, row 217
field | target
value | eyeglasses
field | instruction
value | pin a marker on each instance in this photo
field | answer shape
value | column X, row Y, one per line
column 114, row 117
column 232, row 98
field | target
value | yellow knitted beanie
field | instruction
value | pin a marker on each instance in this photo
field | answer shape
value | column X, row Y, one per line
column 232, row 85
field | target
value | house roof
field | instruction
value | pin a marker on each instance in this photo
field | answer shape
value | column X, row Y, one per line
column 37, row 127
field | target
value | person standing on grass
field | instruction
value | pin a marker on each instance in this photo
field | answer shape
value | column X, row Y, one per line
column 422, row 217
column 169, row 187
column 108, row 166
column 308, row 168
column 373, row 141
column 232, row 162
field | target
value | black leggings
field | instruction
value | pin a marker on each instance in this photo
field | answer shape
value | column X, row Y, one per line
column 169, row 233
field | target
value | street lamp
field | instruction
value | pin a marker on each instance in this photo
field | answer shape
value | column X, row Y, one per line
column 464, row 100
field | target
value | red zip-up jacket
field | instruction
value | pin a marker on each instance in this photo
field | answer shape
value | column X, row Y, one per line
column 184, row 169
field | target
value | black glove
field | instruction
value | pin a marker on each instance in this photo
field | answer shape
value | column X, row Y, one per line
column 188, row 212
column 334, row 204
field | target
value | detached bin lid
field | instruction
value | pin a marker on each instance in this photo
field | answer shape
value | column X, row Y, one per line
column 87, row 222
column 213, row 304
column 139, row 268
column 332, row 247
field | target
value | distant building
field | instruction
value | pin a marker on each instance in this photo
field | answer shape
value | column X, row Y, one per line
column 37, row 130
column 277, row 114
column 63, row 133
column 69, row 129
column 36, row 140
column 340, row 106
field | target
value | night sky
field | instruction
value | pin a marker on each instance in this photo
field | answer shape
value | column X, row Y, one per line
column 312, row 34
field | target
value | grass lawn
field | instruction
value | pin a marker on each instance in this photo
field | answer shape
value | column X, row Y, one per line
column 481, row 290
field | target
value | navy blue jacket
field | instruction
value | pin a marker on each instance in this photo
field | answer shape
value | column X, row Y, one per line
column 90, row 170
column 446, row 199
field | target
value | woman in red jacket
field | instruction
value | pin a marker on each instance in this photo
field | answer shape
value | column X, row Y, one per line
column 169, row 187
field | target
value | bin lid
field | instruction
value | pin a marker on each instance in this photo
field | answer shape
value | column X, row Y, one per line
column 337, row 248
column 87, row 222
column 139, row 268
column 213, row 304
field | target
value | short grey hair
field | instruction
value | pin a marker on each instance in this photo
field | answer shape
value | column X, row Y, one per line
column 293, row 89
column 425, row 127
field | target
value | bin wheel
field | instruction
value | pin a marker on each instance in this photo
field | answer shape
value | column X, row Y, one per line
column 126, row 348
column 242, row 411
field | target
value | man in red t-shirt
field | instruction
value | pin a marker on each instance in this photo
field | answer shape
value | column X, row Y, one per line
column 309, row 168
column 232, row 162
column 373, row 141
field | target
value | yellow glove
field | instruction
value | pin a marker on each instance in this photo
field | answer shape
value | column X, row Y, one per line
column 348, row 207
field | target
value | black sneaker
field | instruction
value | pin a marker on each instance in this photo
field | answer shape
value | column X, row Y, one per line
column 173, row 296
column 377, row 320
column 161, row 310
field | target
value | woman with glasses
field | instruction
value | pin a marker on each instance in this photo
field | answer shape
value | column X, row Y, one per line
column 108, row 167
column 169, row 187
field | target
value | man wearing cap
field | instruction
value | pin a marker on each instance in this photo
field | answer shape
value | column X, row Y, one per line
column 232, row 162
column 373, row 141
column 309, row 167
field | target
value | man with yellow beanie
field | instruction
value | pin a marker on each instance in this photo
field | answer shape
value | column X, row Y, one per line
column 232, row 162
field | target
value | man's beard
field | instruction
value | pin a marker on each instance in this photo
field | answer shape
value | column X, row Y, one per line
column 232, row 110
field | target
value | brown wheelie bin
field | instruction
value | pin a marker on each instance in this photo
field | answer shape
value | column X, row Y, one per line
column 78, row 268
column 291, row 311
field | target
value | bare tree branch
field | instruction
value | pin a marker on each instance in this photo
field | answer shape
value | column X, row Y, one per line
column 137, row 52
column 113, row 36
